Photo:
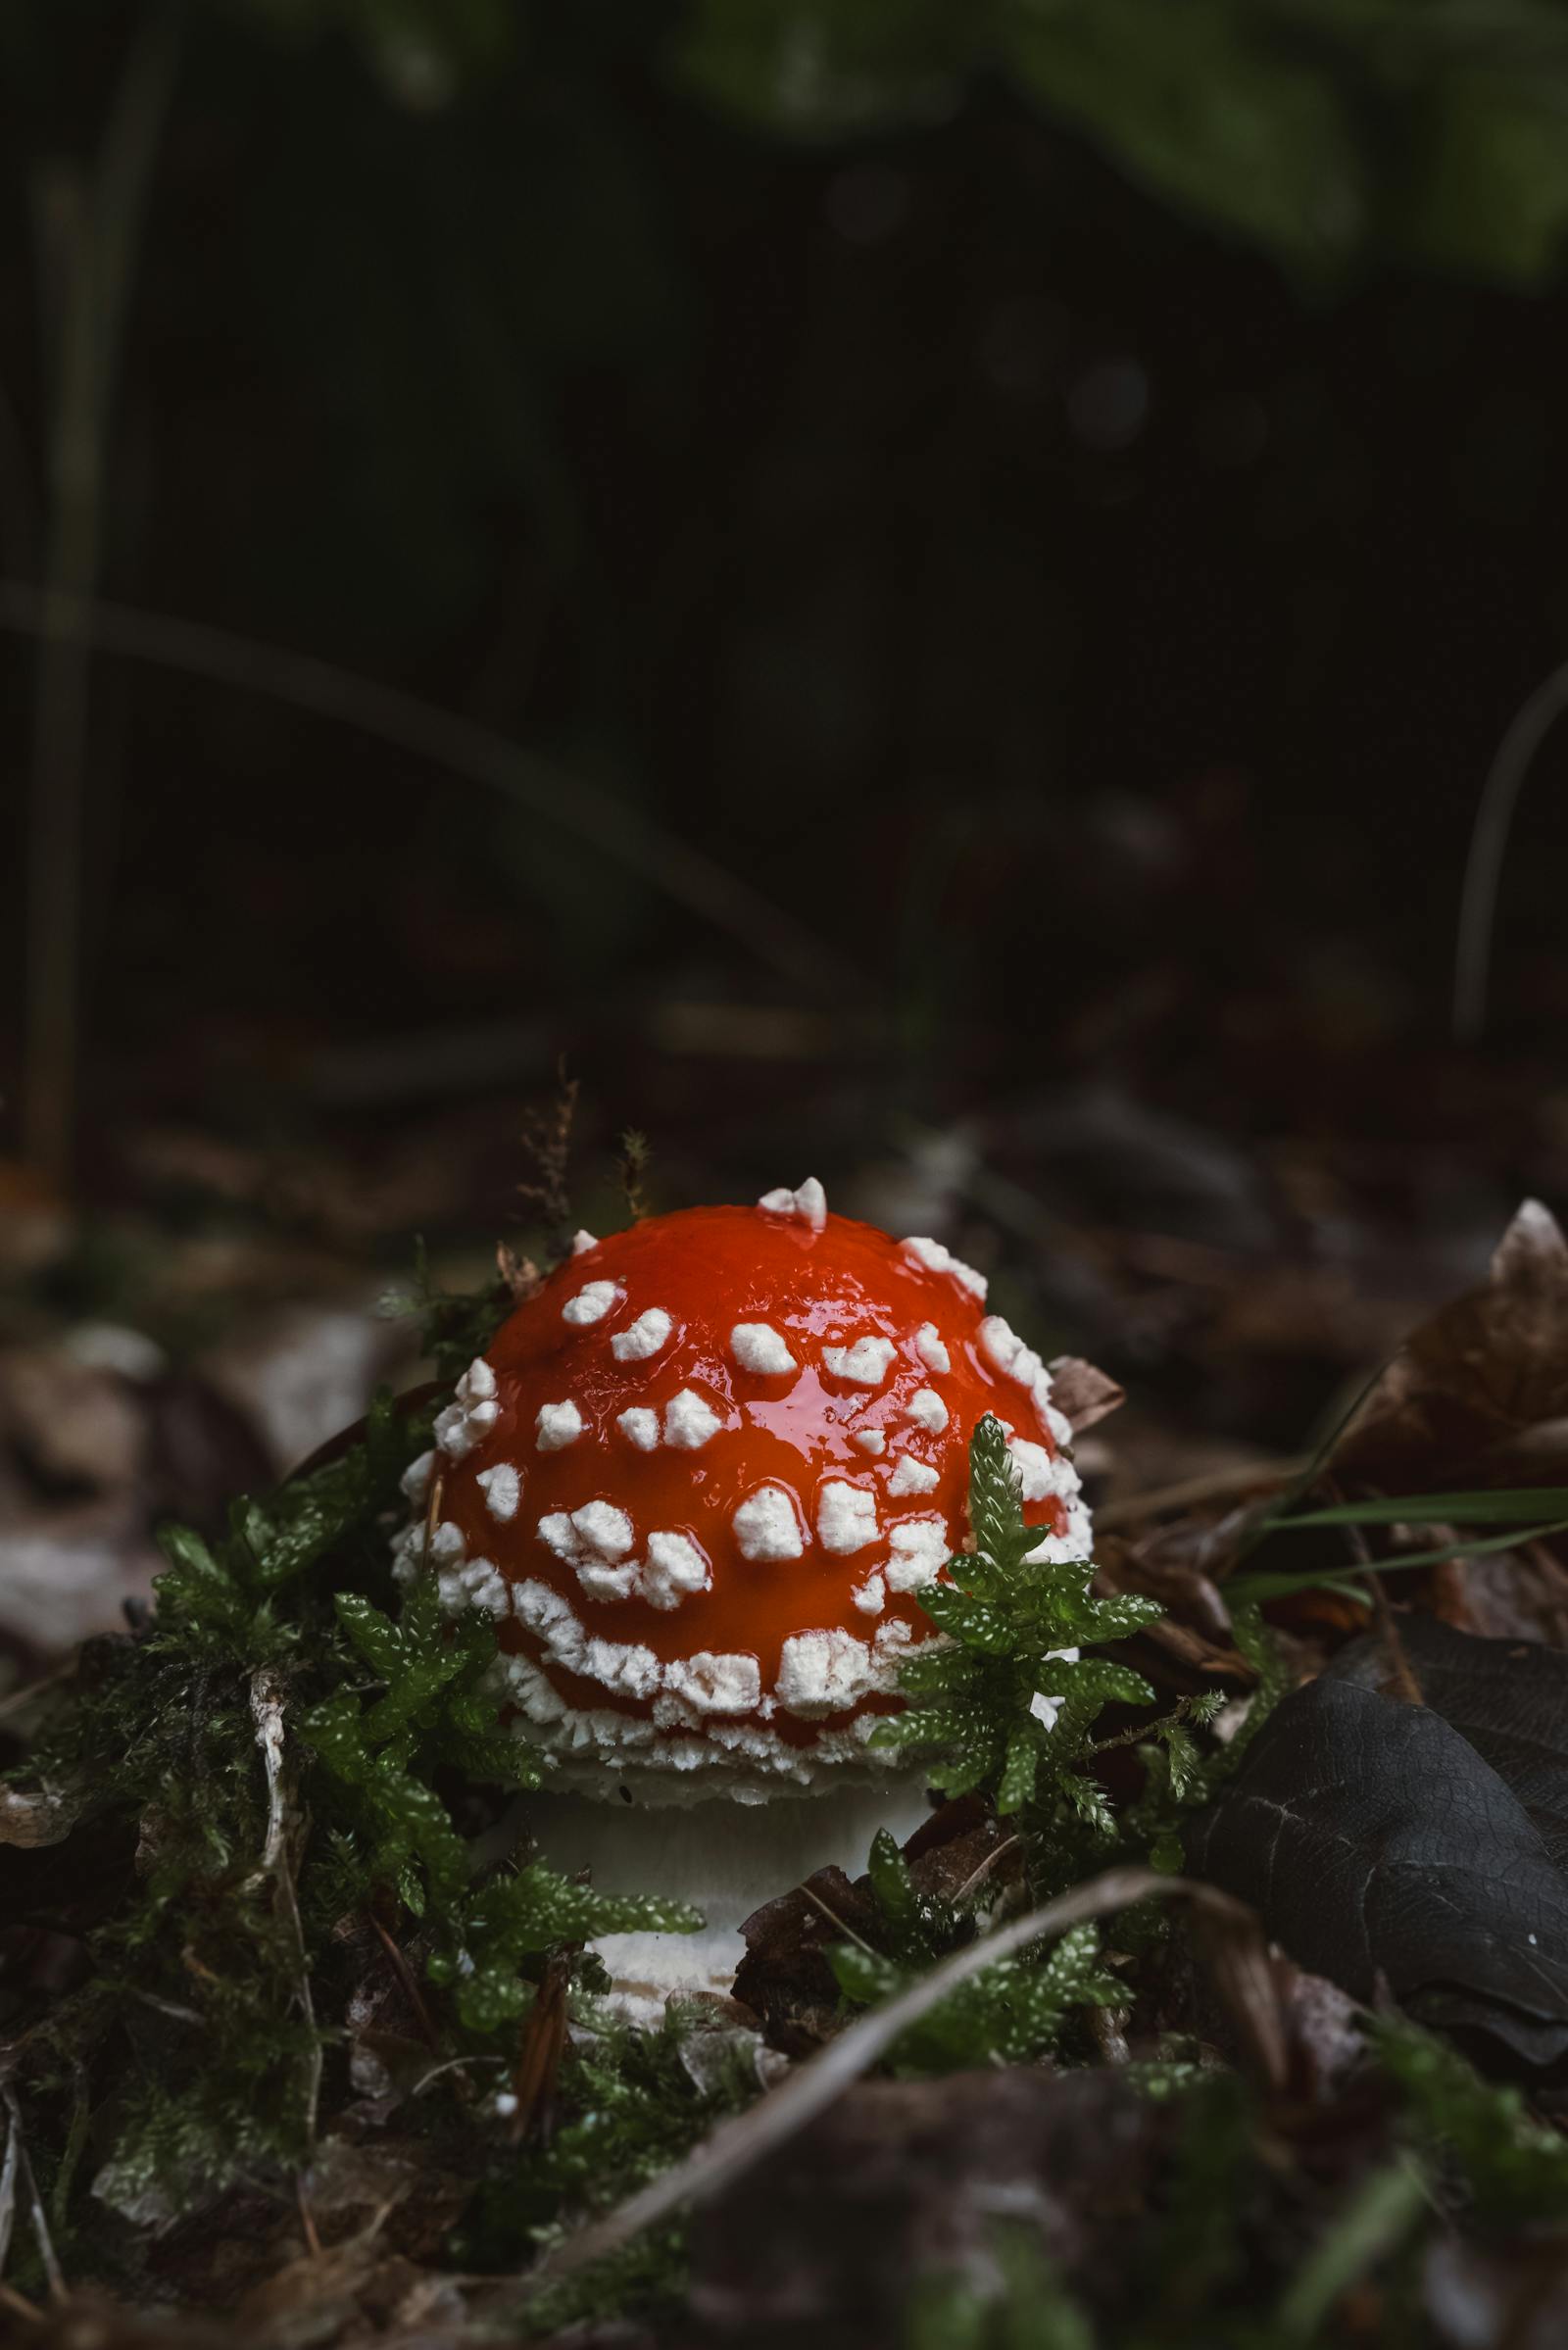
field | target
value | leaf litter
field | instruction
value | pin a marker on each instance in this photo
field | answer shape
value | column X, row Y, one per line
column 263, row 2020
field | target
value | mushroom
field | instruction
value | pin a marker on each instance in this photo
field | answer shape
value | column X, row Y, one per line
column 700, row 1479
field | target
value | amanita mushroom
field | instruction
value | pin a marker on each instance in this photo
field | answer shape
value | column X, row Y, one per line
column 700, row 1479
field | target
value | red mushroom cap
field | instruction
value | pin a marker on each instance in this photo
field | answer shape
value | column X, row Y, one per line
column 702, row 1475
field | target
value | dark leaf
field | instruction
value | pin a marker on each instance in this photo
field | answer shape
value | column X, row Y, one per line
column 785, row 1977
column 1379, row 1846
column 1508, row 1698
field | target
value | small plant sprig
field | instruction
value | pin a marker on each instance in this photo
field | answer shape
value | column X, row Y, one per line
column 1012, row 2014
column 454, row 1325
column 437, row 1716
column 1012, row 1619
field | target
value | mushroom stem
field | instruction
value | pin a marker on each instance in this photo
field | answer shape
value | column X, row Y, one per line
column 725, row 1858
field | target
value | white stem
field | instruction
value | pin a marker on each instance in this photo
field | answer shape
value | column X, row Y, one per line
column 725, row 1858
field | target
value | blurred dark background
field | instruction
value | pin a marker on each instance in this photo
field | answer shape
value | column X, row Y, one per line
column 926, row 593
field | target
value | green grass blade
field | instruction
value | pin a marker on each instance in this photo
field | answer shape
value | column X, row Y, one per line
column 1476, row 1508
column 1249, row 1589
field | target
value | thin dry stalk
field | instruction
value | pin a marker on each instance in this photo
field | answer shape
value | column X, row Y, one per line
column 89, row 235
column 276, row 1865
column 24, row 2183
column 738, row 2144
column 1403, row 1675
column 547, row 1140
column 977, row 1877
column 1488, row 846
column 613, row 828
column 407, row 1982
column 1219, row 1484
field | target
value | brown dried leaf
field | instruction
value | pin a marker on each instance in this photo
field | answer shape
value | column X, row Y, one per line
column 77, row 1428
column 1481, row 1388
column 1082, row 1394
column 784, row 1979
column 1247, row 1977
column 44, row 1818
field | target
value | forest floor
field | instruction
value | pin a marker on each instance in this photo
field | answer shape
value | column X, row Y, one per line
column 1340, row 2123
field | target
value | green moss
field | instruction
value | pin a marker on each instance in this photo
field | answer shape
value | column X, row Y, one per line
column 1008, row 1618
column 636, row 2101
column 291, row 1746
column 1512, row 2165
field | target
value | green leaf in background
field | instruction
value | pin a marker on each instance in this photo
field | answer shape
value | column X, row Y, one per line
column 1205, row 102
column 827, row 67
column 1314, row 129
column 1491, row 188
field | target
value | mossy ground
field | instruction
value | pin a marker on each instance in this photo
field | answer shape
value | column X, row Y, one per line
column 268, row 1931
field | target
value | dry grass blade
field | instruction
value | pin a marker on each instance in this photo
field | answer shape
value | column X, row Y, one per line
column 19, row 2170
column 610, row 827
column 1489, row 846
column 738, row 2144
column 90, row 232
column 1240, row 1481
column 8, row 2190
column 541, row 2048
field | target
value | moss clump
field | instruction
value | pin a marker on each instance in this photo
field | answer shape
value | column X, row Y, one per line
column 290, row 1753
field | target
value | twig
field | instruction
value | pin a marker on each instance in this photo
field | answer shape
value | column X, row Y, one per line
column 540, row 2049
column 1219, row 1484
column 451, row 2064
column 267, row 1712
column 547, row 1140
column 614, row 828
column 23, row 2177
column 276, row 1864
column 432, row 1514
column 8, row 2189
column 1137, row 1733
column 1489, row 846
column 636, row 1157
column 978, row 1876
column 20, row 1698
column 406, row 1980
column 833, row 1919
column 307, row 2227
column 1402, row 1672
column 738, row 2144
column 1108, row 2029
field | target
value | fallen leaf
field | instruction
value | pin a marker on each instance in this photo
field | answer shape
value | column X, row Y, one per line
column 1082, row 1394
column 785, row 1978
column 1380, row 1848
column 1509, row 1699
column 1481, row 1388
